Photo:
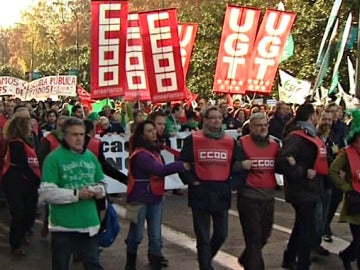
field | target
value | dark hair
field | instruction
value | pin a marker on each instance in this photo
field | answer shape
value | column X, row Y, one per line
column 89, row 126
column 304, row 112
column 176, row 108
column 75, row 108
column 156, row 114
column 50, row 112
column 137, row 140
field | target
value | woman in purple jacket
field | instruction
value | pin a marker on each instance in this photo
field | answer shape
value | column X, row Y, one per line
column 145, row 193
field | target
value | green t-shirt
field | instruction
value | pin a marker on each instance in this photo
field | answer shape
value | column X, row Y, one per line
column 72, row 170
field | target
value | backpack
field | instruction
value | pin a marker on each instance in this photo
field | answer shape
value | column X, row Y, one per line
column 110, row 227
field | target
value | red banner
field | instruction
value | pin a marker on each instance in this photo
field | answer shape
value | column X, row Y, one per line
column 136, row 83
column 108, row 36
column 237, row 41
column 270, row 42
column 187, row 35
column 162, row 55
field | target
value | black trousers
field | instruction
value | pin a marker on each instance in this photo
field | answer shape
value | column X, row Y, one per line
column 256, row 218
column 22, row 200
column 208, row 247
column 352, row 252
column 303, row 235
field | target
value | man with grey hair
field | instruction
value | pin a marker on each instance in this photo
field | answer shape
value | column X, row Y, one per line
column 256, row 197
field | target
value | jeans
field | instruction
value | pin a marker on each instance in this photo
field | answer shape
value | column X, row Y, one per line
column 256, row 218
column 206, row 247
column 152, row 213
column 321, row 214
column 63, row 244
column 302, row 236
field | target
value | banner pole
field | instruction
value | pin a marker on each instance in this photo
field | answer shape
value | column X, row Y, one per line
column 357, row 74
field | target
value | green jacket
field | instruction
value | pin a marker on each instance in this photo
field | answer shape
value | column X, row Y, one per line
column 341, row 163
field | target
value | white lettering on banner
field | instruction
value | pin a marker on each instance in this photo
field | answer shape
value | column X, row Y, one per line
column 32, row 160
column 263, row 163
column 323, row 151
column 135, row 68
column 108, row 46
column 237, row 44
column 185, row 40
column 269, row 46
column 213, row 155
column 163, row 56
column 12, row 86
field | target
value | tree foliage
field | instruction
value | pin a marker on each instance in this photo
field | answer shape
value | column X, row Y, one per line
column 54, row 36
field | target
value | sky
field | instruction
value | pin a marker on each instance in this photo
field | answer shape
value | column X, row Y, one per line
column 10, row 11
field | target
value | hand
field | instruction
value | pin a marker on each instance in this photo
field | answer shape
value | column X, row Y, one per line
column 291, row 160
column 311, row 174
column 246, row 164
column 196, row 183
column 187, row 166
column 85, row 193
column 342, row 174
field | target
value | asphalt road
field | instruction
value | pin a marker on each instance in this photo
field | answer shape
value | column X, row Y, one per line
column 179, row 241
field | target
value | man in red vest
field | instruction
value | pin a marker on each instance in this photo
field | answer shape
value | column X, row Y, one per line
column 303, row 161
column 212, row 154
column 256, row 198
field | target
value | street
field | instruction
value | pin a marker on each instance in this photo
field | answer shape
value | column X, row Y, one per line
column 178, row 241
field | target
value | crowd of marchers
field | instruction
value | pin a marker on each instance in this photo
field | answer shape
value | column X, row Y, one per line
column 51, row 152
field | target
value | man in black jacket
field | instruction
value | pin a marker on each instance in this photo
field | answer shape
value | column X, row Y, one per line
column 303, row 161
column 212, row 154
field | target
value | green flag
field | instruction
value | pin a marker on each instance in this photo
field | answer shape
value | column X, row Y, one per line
column 98, row 106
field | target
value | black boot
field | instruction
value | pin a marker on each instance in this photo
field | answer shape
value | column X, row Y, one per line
column 164, row 262
column 288, row 263
column 130, row 261
column 155, row 261
column 345, row 260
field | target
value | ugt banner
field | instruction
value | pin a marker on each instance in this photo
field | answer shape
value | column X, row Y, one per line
column 108, row 44
column 269, row 45
column 159, row 30
column 187, row 35
column 237, row 41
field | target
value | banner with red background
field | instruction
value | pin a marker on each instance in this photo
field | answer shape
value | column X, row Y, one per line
column 136, row 83
column 159, row 31
column 108, row 44
column 269, row 45
column 237, row 42
column 187, row 35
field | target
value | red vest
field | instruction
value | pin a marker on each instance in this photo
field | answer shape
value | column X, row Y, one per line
column 157, row 184
column 262, row 172
column 321, row 165
column 53, row 141
column 212, row 157
column 31, row 158
column 354, row 160
column 94, row 146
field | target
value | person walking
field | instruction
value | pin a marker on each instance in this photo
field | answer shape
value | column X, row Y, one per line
column 145, row 193
column 212, row 153
column 303, row 162
column 255, row 200
column 21, row 179
column 71, row 184
column 344, row 172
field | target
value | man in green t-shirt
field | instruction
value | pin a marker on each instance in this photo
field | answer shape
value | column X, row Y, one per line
column 71, row 184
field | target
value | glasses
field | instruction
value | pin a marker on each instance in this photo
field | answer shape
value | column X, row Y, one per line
column 262, row 125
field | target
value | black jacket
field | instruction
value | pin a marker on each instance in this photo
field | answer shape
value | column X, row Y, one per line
column 297, row 187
